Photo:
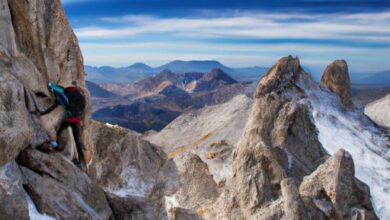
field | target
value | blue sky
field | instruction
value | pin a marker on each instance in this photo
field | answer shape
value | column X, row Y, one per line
column 237, row 33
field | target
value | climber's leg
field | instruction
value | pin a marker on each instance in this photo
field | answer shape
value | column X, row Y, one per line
column 76, row 128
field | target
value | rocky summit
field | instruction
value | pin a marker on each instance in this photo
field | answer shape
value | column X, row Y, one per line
column 336, row 77
column 293, row 151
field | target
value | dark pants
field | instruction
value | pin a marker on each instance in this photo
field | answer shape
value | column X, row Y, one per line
column 77, row 135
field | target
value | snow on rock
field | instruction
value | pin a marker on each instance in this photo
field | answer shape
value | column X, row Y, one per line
column 289, row 157
column 111, row 125
column 220, row 126
column 34, row 213
column 352, row 131
column 379, row 111
column 133, row 184
column 170, row 204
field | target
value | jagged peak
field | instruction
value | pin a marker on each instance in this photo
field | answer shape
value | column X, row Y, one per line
column 280, row 75
column 336, row 77
column 218, row 74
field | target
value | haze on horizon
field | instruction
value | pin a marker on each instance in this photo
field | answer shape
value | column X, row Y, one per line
column 236, row 33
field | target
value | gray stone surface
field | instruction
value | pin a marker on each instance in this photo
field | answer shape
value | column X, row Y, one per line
column 61, row 189
column 336, row 77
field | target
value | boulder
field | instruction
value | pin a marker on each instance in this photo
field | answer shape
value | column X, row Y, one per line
column 183, row 214
column 336, row 192
column 378, row 111
column 197, row 186
column 134, row 207
column 336, row 77
column 13, row 204
column 293, row 205
column 16, row 125
column 60, row 189
column 131, row 169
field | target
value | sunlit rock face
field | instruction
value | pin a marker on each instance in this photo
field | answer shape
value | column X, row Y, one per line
column 279, row 141
column 38, row 46
column 336, row 192
column 336, row 77
column 276, row 160
column 134, row 173
column 282, row 165
column 60, row 189
column 379, row 112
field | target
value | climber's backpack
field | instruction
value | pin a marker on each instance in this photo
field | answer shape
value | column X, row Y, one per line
column 75, row 104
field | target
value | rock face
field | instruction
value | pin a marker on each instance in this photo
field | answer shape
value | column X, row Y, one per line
column 13, row 204
column 336, row 77
column 215, row 131
column 16, row 125
column 279, row 132
column 278, row 158
column 60, row 189
column 197, row 185
column 37, row 46
column 134, row 173
column 335, row 191
column 379, row 111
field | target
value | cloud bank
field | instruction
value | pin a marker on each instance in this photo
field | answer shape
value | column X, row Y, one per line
column 240, row 38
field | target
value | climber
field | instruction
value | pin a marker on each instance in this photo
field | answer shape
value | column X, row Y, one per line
column 72, row 100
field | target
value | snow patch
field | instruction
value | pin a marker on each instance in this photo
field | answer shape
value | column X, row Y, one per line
column 33, row 212
column 289, row 157
column 170, row 204
column 133, row 184
column 111, row 125
column 351, row 130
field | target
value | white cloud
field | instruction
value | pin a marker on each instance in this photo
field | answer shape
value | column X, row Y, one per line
column 375, row 26
column 158, row 40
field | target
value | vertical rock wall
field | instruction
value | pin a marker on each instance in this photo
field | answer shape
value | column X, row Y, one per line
column 37, row 46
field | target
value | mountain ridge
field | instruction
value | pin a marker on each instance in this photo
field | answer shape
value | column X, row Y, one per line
column 138, row 71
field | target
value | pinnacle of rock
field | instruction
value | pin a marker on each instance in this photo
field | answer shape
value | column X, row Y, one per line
column 336, row 77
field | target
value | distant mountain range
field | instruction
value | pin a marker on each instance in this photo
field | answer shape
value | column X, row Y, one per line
column 137, row 71
column 153, row 102
column 107, row 74
column 97, row 91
